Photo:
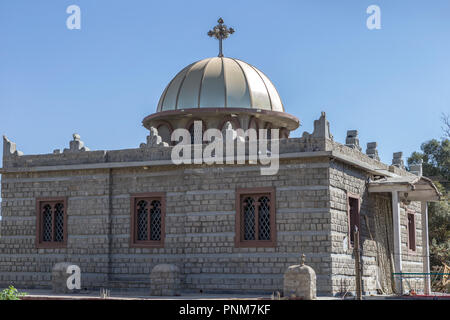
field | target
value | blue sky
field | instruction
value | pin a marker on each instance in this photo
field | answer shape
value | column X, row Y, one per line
column 101, row 81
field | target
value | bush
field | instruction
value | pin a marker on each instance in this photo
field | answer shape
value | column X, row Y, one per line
column 11, row 293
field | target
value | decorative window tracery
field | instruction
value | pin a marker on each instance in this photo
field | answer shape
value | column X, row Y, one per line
column 147, row 220
column 264, row 218
column 51, row 223
column 255, row 223
column 249, row 219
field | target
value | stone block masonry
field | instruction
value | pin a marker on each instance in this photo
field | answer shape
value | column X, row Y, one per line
column 311, row 188
column 165, row 280
column 300, row 282
column 60, row 276
column 200, row 226
column 376, row 235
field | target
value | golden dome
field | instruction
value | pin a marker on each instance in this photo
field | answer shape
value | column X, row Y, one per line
column 220, row 82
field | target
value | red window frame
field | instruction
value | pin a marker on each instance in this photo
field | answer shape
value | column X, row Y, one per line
column 40, row 203
column 151, row 196
column 411, row 229
column 241, row 194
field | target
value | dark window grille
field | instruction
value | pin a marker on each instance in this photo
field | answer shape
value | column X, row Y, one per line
column 264, row 218
column 249, row 219
column 155, row 220
column 142, row 220
column 147, row 221
column 51, row 228
column 59, row 222
column 257, row 220
column 47, row 225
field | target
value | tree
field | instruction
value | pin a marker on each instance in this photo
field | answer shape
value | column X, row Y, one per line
column 446, row 126
column 435, row 157
column 436, row 160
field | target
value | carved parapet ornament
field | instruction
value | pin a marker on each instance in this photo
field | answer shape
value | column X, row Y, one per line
column 321, row 128
column 9, row 148
column 229, row 132
column 154, row 140
column 317, row 140
column 76, row 145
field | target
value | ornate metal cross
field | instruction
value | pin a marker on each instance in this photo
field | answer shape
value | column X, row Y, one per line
column 220, row 32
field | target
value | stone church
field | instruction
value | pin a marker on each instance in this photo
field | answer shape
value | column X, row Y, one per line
column 227, row 228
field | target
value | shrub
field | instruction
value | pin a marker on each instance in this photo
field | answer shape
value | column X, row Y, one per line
column 11, row 293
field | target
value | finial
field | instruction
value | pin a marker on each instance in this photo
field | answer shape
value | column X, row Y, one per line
column 76, row 145
column 302, row 261
column 220, row 32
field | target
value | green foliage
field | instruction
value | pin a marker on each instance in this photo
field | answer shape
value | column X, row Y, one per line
column 11, row 293
column 439, row 221
column 439, row 253
column 436, row 165
column 436, row 160
column 439, row 232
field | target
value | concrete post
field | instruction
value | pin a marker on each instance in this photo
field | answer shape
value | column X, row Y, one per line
column 425, row 248
column 357, row 264
column 397, row 242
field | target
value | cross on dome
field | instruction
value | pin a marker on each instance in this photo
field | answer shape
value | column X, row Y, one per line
column 220, row 32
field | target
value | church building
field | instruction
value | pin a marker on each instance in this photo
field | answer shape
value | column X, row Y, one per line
column 226, row 227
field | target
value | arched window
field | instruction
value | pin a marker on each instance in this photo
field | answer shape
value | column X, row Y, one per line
column 268, row 131
column 249, row 218
column 196, row 134
column 229, row 125
column 264, row 218
column 147, row 220
column 52, row 223
column 165, row 133
column 255, row 220
column 253, row 125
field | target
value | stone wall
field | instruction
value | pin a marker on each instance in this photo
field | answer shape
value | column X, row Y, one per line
column 200, row 225
column 311, row 218
column 412, row 261
column 21, row 262
column 375, row 228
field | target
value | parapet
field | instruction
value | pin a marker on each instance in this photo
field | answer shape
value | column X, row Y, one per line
column 319, row 143
column 9, row 148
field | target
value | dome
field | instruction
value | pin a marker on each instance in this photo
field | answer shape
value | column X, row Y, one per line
column 220, row 82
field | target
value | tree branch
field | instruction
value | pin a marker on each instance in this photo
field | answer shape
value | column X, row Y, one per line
column 446, row 127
